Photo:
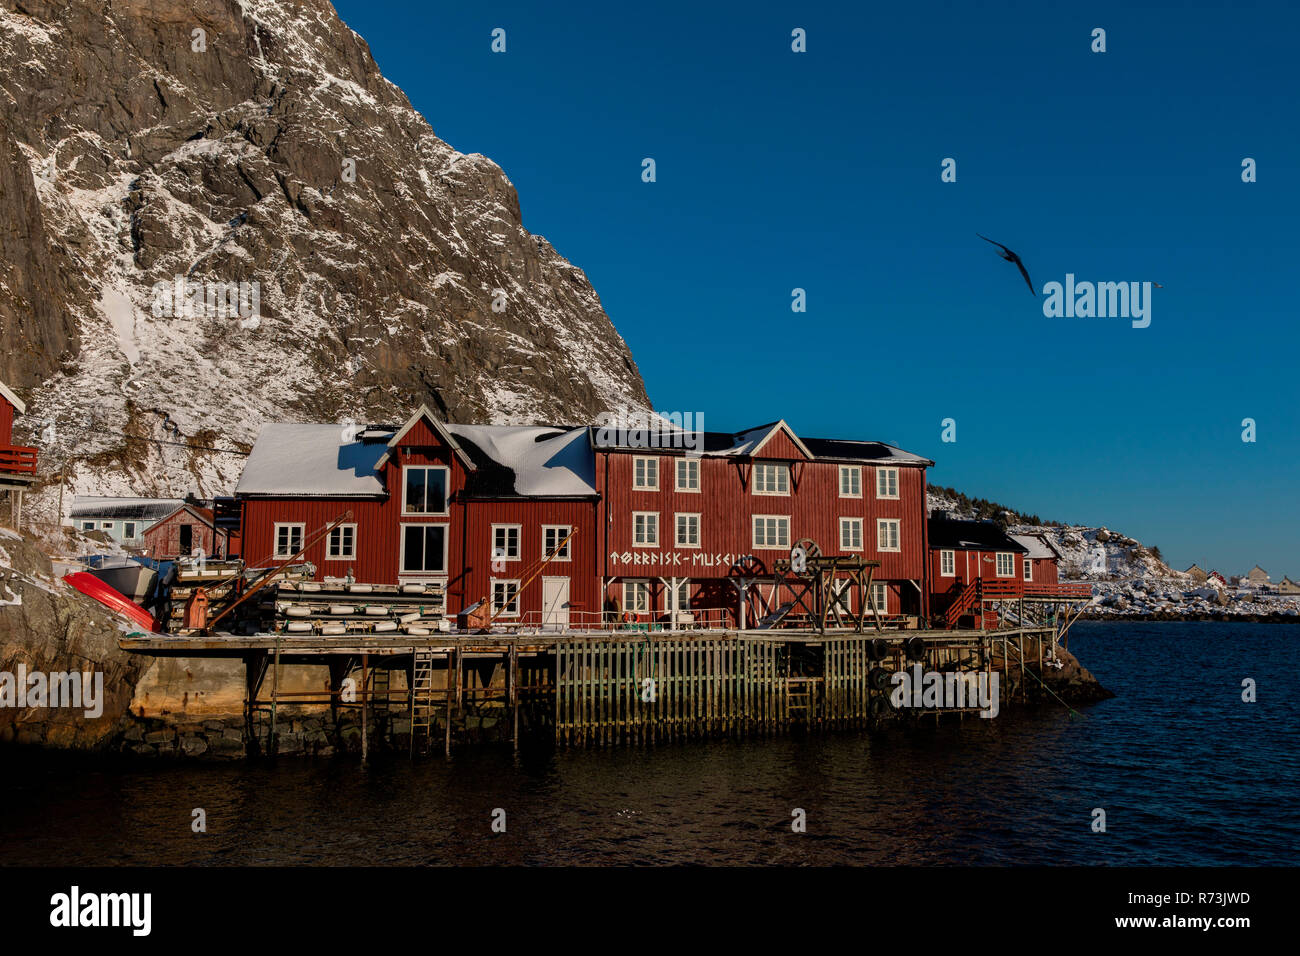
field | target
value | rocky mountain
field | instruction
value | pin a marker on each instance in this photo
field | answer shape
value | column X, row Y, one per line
column 215, row 213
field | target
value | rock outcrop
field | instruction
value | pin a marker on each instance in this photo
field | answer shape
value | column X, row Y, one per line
column 48, row 627
column 231, row 141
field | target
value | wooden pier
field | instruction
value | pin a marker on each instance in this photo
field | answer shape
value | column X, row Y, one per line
column 585, row 689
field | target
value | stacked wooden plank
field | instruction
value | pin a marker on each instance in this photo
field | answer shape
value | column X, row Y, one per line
column 336, row 606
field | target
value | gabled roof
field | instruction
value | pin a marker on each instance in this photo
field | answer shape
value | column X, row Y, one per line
column 971, row 536
column 529, row 461
column 754, row 439
column 423, row 413
column 748, row 442
column 7, row 394
column 319, row 460
column 1037, row 545
column 501, row 461
column 202, row 514
column 140, row 509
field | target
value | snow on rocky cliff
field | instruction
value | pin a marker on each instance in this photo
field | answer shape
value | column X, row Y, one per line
column 348, row 263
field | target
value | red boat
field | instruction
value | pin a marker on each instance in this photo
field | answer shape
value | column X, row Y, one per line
column 92, row 586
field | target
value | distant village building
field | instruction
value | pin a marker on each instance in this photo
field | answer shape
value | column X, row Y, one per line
column 185, row 532
column 1216, row 576
column 1197, row 574
column 1287, row 586
column 122, row 519
column 17, row 462
column 1257, row 576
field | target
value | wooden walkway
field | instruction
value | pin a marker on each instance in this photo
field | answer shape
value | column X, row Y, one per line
column 602, row 689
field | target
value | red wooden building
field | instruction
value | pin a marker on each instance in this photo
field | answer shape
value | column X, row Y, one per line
column 17, row 462
column 473, row 508
column 1041, row 561
column 964, row 555
column 677, row 522
column 184, row 533
column 650, row 531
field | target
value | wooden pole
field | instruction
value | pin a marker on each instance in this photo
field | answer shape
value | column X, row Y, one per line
column 365, row 706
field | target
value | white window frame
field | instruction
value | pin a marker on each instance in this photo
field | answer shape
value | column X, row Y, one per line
column 499, row 610
column 446, row 497
column 753, row 527
column 948, row 559
column 329, row 544
column 881, row 525
column 562, row 531
column 401, row 546
column 87, row 526
column 107, row 525
column 677, row 529
column 131, row 526
column 776, row 468
column 880, row 588
column 519, row 542
column 651, row 524
column 652, row 464
column 847, row 523
column 856, row 472
column 275, row 538
column 1010, row 563
column 638, row 586
column 677, row 475
column 883, row 475
column 1029, row 569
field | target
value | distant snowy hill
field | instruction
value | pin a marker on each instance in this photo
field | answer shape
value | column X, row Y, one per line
column 1127, row 578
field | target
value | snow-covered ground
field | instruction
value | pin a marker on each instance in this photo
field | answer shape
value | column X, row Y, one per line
column 1129, row 581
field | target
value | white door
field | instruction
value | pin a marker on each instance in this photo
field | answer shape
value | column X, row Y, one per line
column 555, row 602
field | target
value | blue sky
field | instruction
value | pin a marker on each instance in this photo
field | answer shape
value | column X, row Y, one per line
column 821, row 171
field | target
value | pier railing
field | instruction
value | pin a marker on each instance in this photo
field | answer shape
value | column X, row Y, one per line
column 712, row 618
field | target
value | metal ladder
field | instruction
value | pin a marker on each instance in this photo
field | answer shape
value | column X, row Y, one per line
column 422, row 702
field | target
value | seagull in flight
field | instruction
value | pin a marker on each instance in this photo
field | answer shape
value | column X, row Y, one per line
column 1012, row 257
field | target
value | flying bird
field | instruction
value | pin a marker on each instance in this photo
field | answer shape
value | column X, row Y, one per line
column 1012, row 257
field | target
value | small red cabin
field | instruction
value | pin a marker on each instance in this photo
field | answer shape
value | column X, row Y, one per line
column 185, row 533
column 966, row 558
column 1040, row 565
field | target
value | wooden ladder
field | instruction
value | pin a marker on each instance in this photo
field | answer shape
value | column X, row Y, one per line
column 422, row 702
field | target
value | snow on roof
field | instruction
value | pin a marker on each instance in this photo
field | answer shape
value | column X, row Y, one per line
column 530, row 461
column 545, row 462
column 11, row 398
column 310, row 460
column 1036, row 544
column 95, row 506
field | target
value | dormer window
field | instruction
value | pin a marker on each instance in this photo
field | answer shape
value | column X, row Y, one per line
column 424, row 489
column 771, row 478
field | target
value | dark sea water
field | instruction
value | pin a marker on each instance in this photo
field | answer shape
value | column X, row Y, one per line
column 1186, row 772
